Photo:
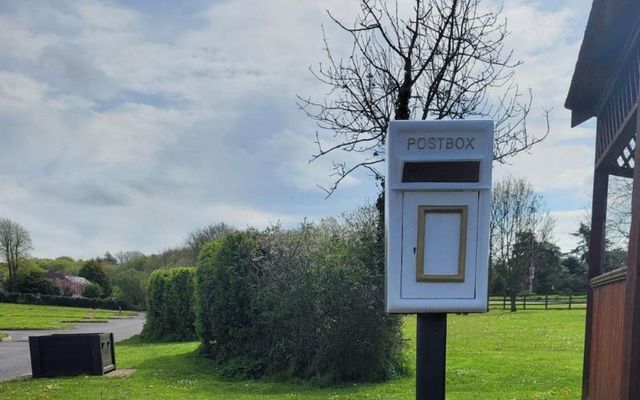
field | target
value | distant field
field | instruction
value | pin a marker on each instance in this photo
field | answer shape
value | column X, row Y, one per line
column 24, row 316
column 533, row 355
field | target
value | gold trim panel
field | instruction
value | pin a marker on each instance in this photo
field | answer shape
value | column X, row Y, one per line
column 423, row 212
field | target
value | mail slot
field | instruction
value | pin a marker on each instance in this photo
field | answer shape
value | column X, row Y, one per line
column 441, row 171
column 438, row 190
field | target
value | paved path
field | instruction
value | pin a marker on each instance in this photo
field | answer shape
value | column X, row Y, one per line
column 15, row 361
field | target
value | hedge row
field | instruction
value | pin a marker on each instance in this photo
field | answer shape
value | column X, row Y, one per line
column 49, row 300
column 170, row 305
column 304, row 303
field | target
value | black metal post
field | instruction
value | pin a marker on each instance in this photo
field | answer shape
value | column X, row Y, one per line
column 431, row 355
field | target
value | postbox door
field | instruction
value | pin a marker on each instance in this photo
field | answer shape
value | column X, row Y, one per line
column 439, row 245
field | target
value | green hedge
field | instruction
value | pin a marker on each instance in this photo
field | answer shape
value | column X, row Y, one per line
column 303, row 303
column 170, row 305
column 226, row 322
column 35, row 282
column 48, row 300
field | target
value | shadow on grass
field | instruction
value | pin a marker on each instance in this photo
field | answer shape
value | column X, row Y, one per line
column 185, row 366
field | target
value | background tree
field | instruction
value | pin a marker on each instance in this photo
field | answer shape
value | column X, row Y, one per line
column 548, row 272
column 15, row 244
column 109, row 259
column 583, row 235
column 443, row 59
column 200, row 237
column 65, row 265
column 614, row 256
column 574, row 274
column 619, row 210
column 95, row 272
column 34, row 282
column 519, row 223
column 125, row 256
column 129, row 286
column 92, row 291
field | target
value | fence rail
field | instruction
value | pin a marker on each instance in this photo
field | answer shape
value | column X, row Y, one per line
column 540, row 302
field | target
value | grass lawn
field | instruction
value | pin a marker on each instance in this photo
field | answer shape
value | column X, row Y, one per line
column 24, row 316
column 533, row 355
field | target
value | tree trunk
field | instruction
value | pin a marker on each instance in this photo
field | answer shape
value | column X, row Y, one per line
column 380, row 239
column 512, row 298
column 403, row 111
column 402, row 105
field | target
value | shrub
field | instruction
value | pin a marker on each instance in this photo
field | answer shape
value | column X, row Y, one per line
column 170, row 305
column 304, row 303
column 92, row 291
column 225, row 319
column 83, row 302
column 33, row 282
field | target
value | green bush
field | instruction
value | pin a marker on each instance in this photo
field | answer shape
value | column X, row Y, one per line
column 92, row 291
column 83, row 302
column 170, row 305
column 225, row 321
column 303, row 303
column 32, row 282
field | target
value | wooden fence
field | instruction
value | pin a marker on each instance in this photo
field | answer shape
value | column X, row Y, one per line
column 540, row 302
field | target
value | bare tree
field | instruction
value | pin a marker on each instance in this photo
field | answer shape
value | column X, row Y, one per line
column 200, row 237
column 125, row 256
column 619, row 210
column 518, row 223
column 445, row 59
column 15, row 244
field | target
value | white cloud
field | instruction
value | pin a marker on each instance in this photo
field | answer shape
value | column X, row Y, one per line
column 102, row 16
column 297, row 169
column 129, row 134
column 18, row 92
column 31, row 43
column 552, row 166
column 534, row 28
column 125, row 138
column 567, row 222
column 241, row 216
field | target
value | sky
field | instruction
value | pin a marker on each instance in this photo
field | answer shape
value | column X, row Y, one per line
column 125, row 125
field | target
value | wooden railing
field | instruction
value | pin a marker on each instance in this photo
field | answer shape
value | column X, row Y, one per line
column 540, row 302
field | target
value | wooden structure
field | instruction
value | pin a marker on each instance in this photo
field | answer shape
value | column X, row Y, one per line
column 606, row 85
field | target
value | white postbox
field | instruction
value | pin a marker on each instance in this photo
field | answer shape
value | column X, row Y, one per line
column 438, row 194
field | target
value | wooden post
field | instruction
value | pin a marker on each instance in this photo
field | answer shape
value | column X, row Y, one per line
column 629, row 385
column 504, row 302
column 596, row 258
column 524, row 302
column 570, row 298
column 546, row 301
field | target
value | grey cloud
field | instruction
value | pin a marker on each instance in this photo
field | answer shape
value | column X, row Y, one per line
column 86, row 193
column 69, row 71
